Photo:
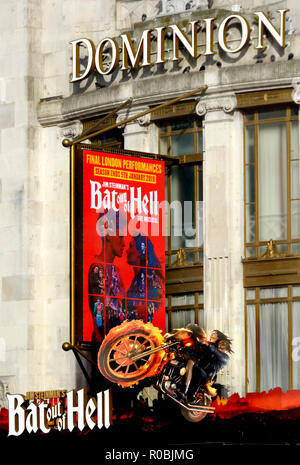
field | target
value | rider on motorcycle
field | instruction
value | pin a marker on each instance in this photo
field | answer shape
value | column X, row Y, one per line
column 204, row 357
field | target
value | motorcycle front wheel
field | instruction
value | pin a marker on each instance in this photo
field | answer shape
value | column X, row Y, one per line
column 122, row 343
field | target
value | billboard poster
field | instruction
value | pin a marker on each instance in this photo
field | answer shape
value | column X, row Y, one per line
column 123, row 242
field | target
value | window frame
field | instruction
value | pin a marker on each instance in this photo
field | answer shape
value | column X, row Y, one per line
column 256, row 122
column 257, row 301
column 180, row 275
column 171, row 309
column 195, row 160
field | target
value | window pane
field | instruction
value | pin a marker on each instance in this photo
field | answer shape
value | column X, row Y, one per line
column 274, row 365
column 250, row 252
column 295, row 184
column 296, row 345
column 200, row 142
column 182, row 144
column 249, row 131
column 250, row 183
column 164, row 146
column 294, row 139
column 268, row 114
column 182, row 300
column 201, row 317
column 294, row 110
column 250, row 223
column 251, row 348
column 296, row 249
column 178, row 125
column 200, row 184
column 295, row 215
column 181, row 318
column 296, row 293
column 249, row 116
column 200, row 298
column 182, row 208
column 272, row 182
column 273, row 292
column 250, row 294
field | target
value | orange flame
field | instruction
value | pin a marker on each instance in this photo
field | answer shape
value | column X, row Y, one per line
column 156, row 361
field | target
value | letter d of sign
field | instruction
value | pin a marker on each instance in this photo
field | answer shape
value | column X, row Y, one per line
column 76, row 76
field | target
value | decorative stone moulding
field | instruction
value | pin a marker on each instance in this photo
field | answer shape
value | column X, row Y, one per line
column 70, row 130
column 171, row 7
column 142, row 121
column 226, row 103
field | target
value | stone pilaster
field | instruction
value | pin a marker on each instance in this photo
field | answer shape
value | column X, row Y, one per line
column 140, row 134
column 223, row 228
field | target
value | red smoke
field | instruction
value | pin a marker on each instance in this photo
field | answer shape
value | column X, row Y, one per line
column 3, row 418
column 257, row 402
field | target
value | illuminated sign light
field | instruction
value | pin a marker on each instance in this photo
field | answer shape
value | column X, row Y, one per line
column 140, row 56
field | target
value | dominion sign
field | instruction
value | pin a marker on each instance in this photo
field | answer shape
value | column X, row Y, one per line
column 198, row 39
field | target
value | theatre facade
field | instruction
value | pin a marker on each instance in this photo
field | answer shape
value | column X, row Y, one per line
column 213, row 91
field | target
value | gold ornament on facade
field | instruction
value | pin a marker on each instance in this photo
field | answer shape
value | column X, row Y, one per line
column 271, row 251
column 181, row 258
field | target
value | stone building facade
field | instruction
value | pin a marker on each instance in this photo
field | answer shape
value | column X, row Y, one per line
column 39, row 107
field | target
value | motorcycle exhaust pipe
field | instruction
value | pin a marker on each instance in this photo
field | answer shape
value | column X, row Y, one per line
column 206, row 409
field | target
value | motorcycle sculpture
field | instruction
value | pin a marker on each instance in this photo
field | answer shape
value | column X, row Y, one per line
column 136, row 350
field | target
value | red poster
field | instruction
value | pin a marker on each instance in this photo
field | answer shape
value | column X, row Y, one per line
column 123, row 242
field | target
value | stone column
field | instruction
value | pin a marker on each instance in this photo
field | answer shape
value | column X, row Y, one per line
column 224, row 229
column 139, row 134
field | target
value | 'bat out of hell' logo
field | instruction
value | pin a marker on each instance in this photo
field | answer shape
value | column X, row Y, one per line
column 64, row 415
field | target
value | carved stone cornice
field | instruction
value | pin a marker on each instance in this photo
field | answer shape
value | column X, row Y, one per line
column 70, row 129
column 226, row 103
column 171, row 7
column 141, row 121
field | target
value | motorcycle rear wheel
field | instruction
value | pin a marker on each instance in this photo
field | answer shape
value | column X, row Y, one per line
column 194, row 416
column 121, row 344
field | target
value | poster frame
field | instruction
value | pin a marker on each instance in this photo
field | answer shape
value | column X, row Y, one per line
column 76, row 232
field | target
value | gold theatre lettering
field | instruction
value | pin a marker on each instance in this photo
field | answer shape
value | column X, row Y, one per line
column 127, row 53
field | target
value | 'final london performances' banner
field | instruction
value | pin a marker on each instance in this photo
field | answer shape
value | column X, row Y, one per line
column 123, row 242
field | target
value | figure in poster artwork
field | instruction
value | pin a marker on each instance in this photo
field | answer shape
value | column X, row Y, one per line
column 115, row 312
column 151, row 309
column 113, row 281
column 154, row 284
column 110, row 227
column 99, row 315
column 140, row 252
column 96, row 279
